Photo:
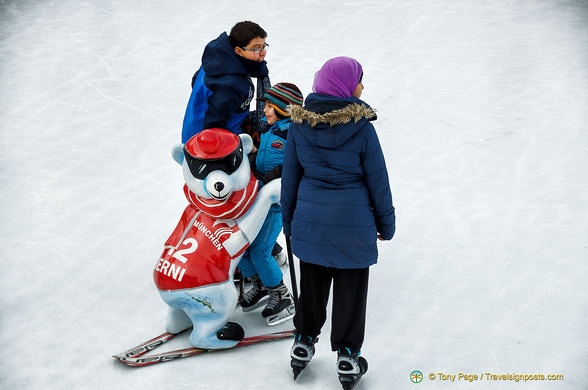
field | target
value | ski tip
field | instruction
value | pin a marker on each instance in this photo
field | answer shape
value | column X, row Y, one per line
column 119, row 356
column 123, row 356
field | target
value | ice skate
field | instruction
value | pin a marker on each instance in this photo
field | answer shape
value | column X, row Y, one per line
column 350, row 367
column 280, row 306
column 255, row 297
column 301, row 353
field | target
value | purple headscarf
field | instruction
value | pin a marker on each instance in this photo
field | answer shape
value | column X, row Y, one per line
column 339, row 77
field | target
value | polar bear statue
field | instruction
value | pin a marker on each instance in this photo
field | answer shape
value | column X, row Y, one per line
column 226, row 210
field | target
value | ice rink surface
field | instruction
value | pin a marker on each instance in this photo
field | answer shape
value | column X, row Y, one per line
column 483, row 116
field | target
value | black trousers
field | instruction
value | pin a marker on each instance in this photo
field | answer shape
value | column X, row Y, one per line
column 350, row 287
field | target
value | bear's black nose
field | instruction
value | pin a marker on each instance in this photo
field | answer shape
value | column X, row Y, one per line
column 219, row 186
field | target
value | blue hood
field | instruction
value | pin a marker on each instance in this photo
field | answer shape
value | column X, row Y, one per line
column 220, row 59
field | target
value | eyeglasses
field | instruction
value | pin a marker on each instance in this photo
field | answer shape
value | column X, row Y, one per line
column 200, row 168
column 257, row 50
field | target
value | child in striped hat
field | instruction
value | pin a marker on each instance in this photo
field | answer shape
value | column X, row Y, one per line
column 270, row 155
column 279, row 97
column 257, row 263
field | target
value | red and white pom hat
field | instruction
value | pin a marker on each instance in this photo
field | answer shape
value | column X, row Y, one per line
column 211, row 150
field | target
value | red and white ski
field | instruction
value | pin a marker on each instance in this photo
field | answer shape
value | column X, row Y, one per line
column 134, row 356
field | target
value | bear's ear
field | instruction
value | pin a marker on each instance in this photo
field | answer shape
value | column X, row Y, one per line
column 177, row 153
column 247, row 143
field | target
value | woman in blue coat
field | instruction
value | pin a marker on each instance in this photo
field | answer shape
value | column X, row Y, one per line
column 336, row 202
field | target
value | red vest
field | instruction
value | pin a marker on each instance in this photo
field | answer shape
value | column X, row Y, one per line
column 193, row 255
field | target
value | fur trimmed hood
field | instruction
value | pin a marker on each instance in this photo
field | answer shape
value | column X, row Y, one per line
column 353, row 112
column 328, row 121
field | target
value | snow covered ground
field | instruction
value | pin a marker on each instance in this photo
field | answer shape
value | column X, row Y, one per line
column 483, row 115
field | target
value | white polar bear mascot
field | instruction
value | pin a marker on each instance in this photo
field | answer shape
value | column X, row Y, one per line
column 226, row 210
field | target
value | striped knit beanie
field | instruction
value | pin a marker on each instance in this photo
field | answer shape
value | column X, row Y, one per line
column 281, row 96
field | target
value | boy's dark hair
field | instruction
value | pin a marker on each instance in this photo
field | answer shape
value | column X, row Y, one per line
column 243, row 32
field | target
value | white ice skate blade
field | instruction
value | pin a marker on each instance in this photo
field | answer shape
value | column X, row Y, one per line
column 282, row 316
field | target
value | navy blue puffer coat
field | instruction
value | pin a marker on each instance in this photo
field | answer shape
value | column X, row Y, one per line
column 335, row 191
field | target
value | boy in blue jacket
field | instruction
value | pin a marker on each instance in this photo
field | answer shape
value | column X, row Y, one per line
column 268, row 287
column 222, row 89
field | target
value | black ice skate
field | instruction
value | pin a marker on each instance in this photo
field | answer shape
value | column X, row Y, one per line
column 280, row 306
column 301, row 353
column 255, row 297
column 350, row 367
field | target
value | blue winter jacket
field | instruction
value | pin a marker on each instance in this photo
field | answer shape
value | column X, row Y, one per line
column 335, row 192
column 272, row 149
column 272, row 146
column 221, row 89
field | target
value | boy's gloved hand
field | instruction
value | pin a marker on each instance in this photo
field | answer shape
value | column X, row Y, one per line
column 275, row 173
